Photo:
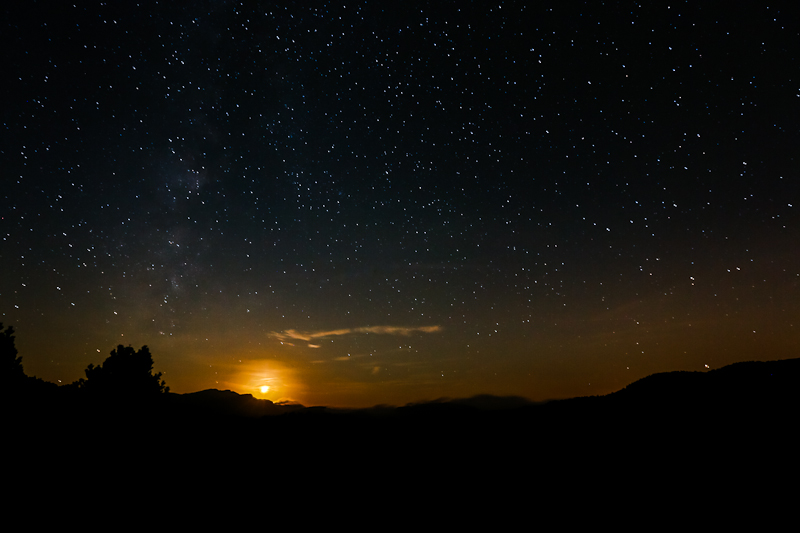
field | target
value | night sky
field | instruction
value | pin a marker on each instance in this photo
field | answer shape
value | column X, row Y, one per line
column 369, row 202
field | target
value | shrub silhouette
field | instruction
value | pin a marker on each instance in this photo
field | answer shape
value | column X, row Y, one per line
column 125, row 372
column 11, row 371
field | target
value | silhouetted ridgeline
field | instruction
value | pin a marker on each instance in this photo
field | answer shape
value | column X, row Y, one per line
column 697, row 431
column 755, row 388
column 739, row 384
column 673, row 418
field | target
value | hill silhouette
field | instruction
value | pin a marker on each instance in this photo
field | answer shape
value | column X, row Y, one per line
column 229, row 403
column 703, row 427
column 735, row 389
column 751, row 388
column 747, row 407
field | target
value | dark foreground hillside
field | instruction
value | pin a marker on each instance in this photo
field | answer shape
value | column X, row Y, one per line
column 679, row 435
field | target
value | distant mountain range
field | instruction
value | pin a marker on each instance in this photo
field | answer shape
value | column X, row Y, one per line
column 667, row 437
column 745, row 385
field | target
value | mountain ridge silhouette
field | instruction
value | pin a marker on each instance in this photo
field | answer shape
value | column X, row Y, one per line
column 749, row 381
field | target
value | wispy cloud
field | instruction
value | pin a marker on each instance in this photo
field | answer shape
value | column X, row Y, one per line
column 397, row 330
column 308, row 336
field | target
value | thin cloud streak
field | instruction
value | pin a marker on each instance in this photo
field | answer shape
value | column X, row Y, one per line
column 380, row 330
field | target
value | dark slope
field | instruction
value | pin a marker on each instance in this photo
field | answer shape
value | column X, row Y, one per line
column 667, row 442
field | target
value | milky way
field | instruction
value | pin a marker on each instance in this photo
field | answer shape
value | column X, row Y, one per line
column 382, row 203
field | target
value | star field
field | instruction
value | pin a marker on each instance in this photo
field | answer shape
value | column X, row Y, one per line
column 364, row 203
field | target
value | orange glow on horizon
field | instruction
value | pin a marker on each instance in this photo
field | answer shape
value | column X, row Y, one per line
column 265, row 379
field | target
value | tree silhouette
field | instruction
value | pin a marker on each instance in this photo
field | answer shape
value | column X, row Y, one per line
column 125, row 372
column 11, row 371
